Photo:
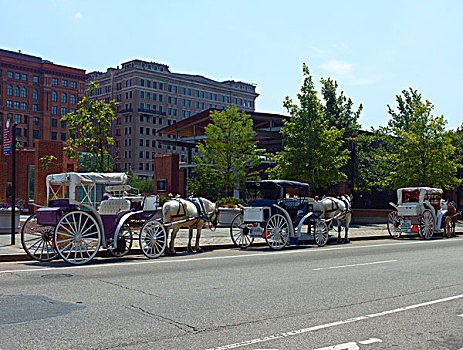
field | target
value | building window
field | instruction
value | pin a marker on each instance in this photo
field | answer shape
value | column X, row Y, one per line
column 16, row 104
column 9, row 103
column 35, row 94
column 140, row 166
column 161, row 86
column 35, row 107
column 35, row 79
column 63, row 137
column 54, row 110
column 23, row 105
column 63, row 111
column 73, row 84
column 63, row 97
column 63, row 124
column 16, row 91
column 73, row 99
column 24, row 77
column 54, row 123
column 64, row 82
column 147, row 143
column 10, row 75
column 142, row 94
column 35, row 134
column 36, row 121
column 153, row 143
column 17, row 76
column 141, row 130
column 161, row 185
column 17, row 119
column 141, row 142
column 140, row 154
column 54, row 81
column 54, row 96
column 142, row 82
column 9, row 90
column 54, row 135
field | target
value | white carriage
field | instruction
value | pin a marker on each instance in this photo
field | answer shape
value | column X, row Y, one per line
column 419, row 210
column 87, row 211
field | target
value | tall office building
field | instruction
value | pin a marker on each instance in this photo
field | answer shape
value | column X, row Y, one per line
column 150, row 97
column 35, row 93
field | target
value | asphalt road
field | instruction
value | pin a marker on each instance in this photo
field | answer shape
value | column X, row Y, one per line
column 404, row 294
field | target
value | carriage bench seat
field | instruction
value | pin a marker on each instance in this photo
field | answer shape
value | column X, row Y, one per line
column 114, row 206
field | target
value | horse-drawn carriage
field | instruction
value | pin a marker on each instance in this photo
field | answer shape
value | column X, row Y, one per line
column 281, row 212
column 421, row 211
column 75, row 224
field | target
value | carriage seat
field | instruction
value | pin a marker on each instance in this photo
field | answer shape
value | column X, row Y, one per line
column 114, row 206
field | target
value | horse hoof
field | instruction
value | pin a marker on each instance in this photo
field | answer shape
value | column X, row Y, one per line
column 189, row 250
column 346, row 240
column 199, row 250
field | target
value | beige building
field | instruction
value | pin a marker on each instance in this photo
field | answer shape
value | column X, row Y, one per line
column 151, row 97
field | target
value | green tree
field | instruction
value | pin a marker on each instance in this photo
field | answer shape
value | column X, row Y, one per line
column 228, row 155
column 312, row 150
column 143, row 185
column 89, row 132
column 421, row 150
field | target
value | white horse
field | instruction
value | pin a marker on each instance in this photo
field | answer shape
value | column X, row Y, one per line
column 199, row 210
column 339, row 209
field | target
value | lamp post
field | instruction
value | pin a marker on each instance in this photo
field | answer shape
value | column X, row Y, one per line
column 352, row 161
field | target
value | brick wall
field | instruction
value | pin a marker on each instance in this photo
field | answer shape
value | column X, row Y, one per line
column 166, row 167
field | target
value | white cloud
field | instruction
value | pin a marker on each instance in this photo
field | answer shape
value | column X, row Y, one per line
column 345, row 71
column 78, row 15
column 337, row 67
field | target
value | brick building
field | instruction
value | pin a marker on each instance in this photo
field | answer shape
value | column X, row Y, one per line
column 151, row 97
column 30, row 174
column 35, row 93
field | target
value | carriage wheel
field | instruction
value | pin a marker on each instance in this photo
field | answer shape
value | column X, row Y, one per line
column 239, row 232
column 426, row 224
column 277, row 232
column 123, row 242
column 77, row 237
column 321, row 234
column 37, row 240
column 153, row 239
column 393, row 224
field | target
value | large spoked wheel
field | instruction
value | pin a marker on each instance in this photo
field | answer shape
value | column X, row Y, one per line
column 426, row 224
column 393, row 224
column 123, row 242
column 37, row 240
column 77, row 237
column 321, row 233
column 240, row 231
column 277, row 232
column 153, row 239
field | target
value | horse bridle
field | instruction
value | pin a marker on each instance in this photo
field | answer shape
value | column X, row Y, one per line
column 214, row 223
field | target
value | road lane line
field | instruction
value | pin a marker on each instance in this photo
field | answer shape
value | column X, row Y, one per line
column 460, row 315
column 354, row 265
column 370, row 341
column 334, row 324
column 251, row 255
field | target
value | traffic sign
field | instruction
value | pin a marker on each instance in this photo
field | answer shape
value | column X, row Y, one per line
column 7, row 139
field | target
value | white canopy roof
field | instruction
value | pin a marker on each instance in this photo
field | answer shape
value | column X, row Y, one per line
column 423, row 191
column 87, row 178
column 75, row 179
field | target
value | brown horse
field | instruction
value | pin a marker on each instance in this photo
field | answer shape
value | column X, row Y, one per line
column 450, row 217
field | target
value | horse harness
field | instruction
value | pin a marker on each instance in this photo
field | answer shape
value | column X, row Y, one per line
column 335, row 207
column 201, row 210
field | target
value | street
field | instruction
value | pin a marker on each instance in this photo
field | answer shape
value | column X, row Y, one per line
column 405, row 294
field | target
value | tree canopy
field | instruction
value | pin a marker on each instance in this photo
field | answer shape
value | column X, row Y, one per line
column 89, row 131
column 312, row 149
column 420, row 150
column 229, row 154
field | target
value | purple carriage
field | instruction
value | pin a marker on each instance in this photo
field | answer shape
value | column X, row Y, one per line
column 76, row 225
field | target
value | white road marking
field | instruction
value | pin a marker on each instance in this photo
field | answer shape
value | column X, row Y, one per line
column 370, row 341
column 251, row 255
column 460, row 315
column 335, row 324
column 354, row 265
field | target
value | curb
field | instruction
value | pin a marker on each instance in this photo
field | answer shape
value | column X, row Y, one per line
column 105, row 254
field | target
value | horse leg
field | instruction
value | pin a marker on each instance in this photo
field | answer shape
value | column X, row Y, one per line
column 172, row 240
column 348, row 218
column 190, row 236
column 198, row 235
column 339, row 231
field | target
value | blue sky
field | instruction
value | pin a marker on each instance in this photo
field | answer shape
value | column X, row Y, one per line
column 374, row 49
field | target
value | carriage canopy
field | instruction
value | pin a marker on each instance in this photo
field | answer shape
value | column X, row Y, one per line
column 419, row 194
column 72, row 180
column 276, row 189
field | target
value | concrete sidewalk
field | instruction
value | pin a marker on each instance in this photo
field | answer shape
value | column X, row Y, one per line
column 218, row 239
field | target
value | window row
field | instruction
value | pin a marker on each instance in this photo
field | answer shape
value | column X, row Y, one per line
column 64, row 82
column 63, row 110
column 21, row 76
column 20, row 105
column 64, row 98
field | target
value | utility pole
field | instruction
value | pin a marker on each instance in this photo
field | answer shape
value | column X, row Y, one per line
column 13, row 184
